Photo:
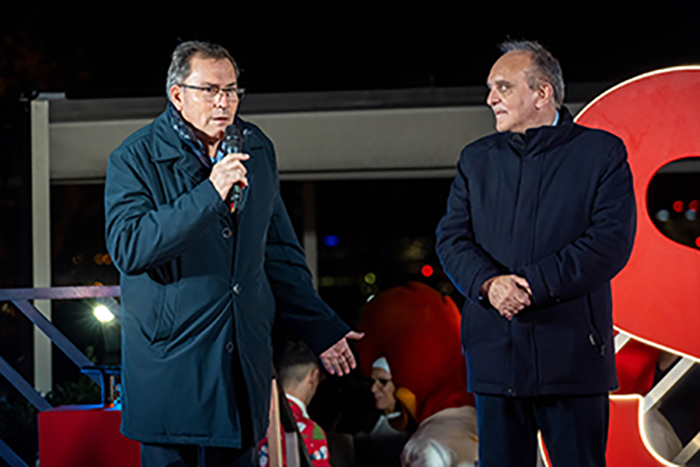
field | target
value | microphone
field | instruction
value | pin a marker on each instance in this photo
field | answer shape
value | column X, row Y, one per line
column 233, row 143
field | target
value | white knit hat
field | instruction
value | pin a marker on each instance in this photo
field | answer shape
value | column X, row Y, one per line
column 381, row 363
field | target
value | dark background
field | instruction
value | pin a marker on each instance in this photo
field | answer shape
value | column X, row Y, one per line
column 122, row 50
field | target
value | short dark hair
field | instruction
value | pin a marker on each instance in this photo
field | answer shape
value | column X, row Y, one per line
column 293, row 362
column 546, row 68
column 179, row 68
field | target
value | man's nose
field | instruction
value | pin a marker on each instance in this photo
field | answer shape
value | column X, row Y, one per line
column 222, row 99
column 492, row 98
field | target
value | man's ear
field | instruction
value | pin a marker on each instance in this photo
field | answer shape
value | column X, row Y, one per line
column 545, row 94
column 315, row 375
column 176, row 96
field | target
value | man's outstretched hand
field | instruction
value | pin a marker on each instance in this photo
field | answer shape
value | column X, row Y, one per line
column 338, row 358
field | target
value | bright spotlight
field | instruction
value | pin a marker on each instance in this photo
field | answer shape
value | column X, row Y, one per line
column 103, row 314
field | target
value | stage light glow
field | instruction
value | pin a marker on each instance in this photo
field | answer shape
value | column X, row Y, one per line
column 693, row 205
column 103, row 314
column 678, row 206
column 370, row 278
column 427, row 270
column 691, row 215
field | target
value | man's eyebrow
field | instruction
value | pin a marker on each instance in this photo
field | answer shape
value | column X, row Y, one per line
column 500, row 82
column 229, row 85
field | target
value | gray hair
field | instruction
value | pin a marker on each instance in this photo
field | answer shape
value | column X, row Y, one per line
column 545, row 68
column 179, row 69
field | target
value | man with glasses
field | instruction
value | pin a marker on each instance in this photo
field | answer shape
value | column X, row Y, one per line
column 202, row 277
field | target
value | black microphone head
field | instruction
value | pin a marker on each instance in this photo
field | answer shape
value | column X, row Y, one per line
column 233, row 139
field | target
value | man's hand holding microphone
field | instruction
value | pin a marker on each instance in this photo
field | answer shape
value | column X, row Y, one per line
column 229, row 174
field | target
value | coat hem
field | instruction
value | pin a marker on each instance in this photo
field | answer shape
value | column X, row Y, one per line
column 203, row 440
column 572, row 389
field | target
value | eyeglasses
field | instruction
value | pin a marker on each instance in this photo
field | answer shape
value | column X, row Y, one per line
column 213, row 93
column 380, row 381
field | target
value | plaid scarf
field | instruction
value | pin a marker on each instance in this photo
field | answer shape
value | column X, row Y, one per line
column 184, row 131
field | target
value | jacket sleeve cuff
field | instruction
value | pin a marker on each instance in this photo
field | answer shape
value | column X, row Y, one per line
column 327, row 341
column 484, row 274
column 540, row 292
column 222, row 206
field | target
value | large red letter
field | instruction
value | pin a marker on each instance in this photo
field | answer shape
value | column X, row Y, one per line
column 655, row 298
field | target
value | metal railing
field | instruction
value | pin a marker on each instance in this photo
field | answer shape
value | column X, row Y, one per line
column 21, row 299
column 281, row 415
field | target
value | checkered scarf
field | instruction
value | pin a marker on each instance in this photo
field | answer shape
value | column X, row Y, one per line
column 184, row 131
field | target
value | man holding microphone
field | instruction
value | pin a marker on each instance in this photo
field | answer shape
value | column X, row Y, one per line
column 202, row 277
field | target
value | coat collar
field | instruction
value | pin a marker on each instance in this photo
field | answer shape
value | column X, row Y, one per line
column 169, row 143
column 171, row 148
column 536, row 140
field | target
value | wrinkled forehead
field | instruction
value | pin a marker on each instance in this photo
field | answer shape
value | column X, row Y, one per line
column 220, row 69
column 510, row 66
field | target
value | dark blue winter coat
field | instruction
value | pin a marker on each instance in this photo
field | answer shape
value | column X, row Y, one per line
column 555, row 206
column 197, row 289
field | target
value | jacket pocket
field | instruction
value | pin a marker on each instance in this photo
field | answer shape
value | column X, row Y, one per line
column 166, row 305
column 595, row 338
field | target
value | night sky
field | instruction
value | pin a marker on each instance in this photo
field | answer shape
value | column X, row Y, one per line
column 125, row 52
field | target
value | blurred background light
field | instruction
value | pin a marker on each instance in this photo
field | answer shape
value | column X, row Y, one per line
column 331, row 240
column 663, row 215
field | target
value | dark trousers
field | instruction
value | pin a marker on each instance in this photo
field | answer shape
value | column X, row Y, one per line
column 174, row 455
column 574, row 430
